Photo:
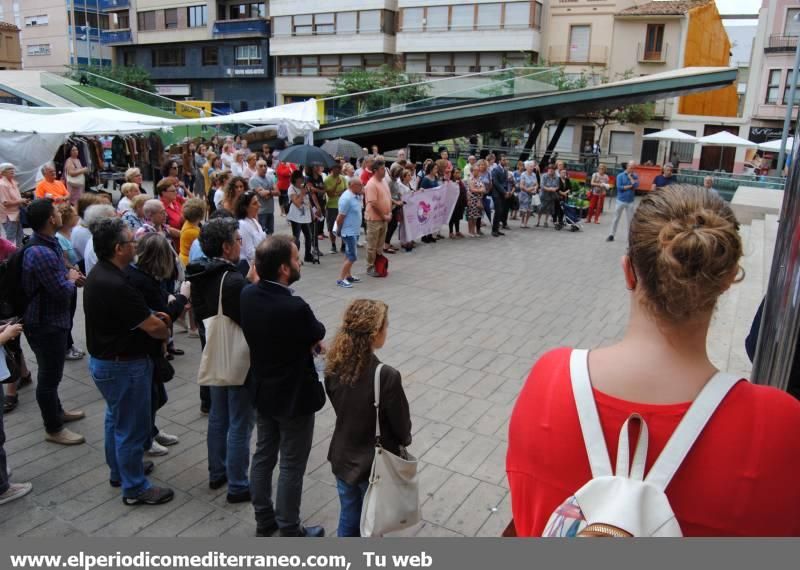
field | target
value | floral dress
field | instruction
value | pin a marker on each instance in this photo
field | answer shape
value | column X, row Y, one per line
column 474, row 207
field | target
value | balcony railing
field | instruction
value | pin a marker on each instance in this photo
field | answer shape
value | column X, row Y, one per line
column 779, row 43
column 114, row 4
column 115, row 37
column 254, row 27
column 567, row 55
column 644, row 55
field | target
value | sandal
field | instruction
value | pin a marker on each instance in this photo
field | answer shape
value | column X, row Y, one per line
column 10, row 404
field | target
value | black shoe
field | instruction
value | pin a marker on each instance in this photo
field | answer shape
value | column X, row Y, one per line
column 205, row 408
column 505, row 227
column 501, row 233
column 309, row 259
column 267, row 530
column 303, row 532
column 243, row 497
column 216, row 484
column 153, row 496
column 148, row 468
column 175, row 351
column 496, row 234
column 610, row 238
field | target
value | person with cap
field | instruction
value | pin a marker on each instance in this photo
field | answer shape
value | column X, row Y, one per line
column 10, row 202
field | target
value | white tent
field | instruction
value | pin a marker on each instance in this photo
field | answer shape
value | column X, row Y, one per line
column 724, row 138
column 775, row 146
column 673, row 135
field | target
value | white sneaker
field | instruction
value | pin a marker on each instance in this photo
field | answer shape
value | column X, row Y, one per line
column 166, row 439
column 15, row 491
column 156, row 449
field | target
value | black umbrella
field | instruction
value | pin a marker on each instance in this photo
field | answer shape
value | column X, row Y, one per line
column 342, row 147
column 306, row 155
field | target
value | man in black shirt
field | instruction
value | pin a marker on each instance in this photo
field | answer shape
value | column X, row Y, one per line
column 499, row 191
column 282, row 332
column 118, row 324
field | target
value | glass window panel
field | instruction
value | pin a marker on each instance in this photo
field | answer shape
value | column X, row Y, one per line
column 373, row 60
column 324, row 18
column 437, row 18
column 518, row 15
column 792, row 26
column 537, row 16
column 462, row 17
column 621, row 143
column 171, row 18
column 489, row 16
column 351, row 61
column 325, row 29
column 416, row 63
column 346, row 22
column 282, row 26
column 309, row 60
column 388, row 22
column 304, row 20
column 369, row 21
column 773, row 86
column 412, row 19
column 303, row 30
column 490, row 61
column 210, row 56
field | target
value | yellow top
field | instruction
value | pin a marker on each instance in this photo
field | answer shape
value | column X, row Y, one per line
column 189, row 233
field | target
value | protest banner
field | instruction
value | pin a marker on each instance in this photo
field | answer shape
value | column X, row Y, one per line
column 426, row 211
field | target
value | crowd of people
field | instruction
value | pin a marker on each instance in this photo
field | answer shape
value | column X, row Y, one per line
column 205, row 245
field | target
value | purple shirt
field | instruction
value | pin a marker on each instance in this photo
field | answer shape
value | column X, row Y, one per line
column 44, row 280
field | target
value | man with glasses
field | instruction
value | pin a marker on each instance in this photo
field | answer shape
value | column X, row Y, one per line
column 118, row 336
column 264, row 186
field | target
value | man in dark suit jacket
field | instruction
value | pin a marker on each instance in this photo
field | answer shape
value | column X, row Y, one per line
column 282, row 333
column 499, row 191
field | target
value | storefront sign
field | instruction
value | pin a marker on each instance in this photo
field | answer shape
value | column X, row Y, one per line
column 174, row 90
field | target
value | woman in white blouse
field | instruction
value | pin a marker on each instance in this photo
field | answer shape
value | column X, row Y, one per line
column 251, row 231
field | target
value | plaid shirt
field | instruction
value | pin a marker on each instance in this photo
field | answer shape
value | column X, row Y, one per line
column 44, row 280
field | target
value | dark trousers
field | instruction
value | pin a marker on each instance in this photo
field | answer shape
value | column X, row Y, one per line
column 508, row 205
column 455, row 219
column 499, row 200
column 558, row 212
column 297, row 228
column 3, row 466
column 43, row 341
column 393, row 224
column 267, row 221
column 158, row 397
column 283, row 201
column 291, row 437
column 205, row 391
column 73, row 305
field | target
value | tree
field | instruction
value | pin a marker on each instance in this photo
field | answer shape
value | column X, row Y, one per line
column 361, row 88
column 635, row 114
column 132, row 75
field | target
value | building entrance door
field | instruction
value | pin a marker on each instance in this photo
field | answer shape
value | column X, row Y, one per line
column 649, row 148
column 710, row 158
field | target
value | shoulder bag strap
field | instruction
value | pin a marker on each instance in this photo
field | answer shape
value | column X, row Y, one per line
column 587, row 414
column 690, row 428
column 378, row 403
column 221, row 283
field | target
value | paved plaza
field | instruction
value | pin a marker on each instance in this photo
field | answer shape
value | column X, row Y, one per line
column 467, row 320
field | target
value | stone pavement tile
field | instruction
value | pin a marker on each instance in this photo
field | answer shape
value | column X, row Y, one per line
column 78, row 494
column 242, row 510
column 316, row 497
column 327, row 517
column 35, row 451
column 169, row 466
column 27, row 520
column 429, row 530
column 417, row 423
column 491, row 421
column 242, row 530
column 324, row 474
column 476, row 509
column 443, row 377
column 469, row 413
column 444, row 502
column 502, row 431
column 466, row 380
column 17, row 508
column 414, row 391
column 175, row 522
column 53, row 528
column 499, row 364
column 425, row 438
column 473, row 454
column 190, row 478
column 212, row 525
column 138, row 518
column 425, row 373
column 446, row 407
column 480, row 359
column 318, row 455
column 493, row 469
column 58, row 468
column 444, row 450
column 103, row 514
column 486, row 386
column 498, row 520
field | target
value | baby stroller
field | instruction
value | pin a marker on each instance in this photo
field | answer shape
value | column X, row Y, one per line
column 572, row 218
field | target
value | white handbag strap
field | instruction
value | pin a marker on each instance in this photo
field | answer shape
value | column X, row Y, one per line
column 378, row 403
column 221, row 283
column 587, row 414
column 690, row 428
column 624, row 468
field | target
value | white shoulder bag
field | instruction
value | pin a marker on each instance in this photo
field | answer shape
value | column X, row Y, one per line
column 391, row 502
column 226, row 357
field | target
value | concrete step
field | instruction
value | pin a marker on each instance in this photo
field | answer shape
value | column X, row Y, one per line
column 770, row 237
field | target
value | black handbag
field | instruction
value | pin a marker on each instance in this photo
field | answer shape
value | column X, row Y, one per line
column 163, row 371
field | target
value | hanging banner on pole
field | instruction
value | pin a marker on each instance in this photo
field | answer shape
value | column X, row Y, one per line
column 426, row 211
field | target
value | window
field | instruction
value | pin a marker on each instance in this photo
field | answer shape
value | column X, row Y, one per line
column 304, row 25
column 309, row 65
column 440, row 63
column 436, row 19
column 210, row 55
column 128, row 58
column 489, row 16
column 346, row 22
column 369, row 21
column 245, row 11
column 685, row 151
column 518, row 15
column 464, row 63
column 416, row 63
column 39, row 49
column 31, row 21
column 282, row 26
column 247, row 55
column 490, row 61
column 773, row 86
column 171, row 18
column 462, row 17
column 169, row 57
column 123, row 20
column 621, row 143
column 654, row 42
column 789, row 86
column 374, row 61
column 329, row 65
column 147, row 20
column 579, row 44
column 324, row 23
column 413, row 19
column 537, row 15
column 197, row 16
column 351, row 62
column 792, row 26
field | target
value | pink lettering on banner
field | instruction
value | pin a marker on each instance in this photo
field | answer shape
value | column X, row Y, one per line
column 426, row 211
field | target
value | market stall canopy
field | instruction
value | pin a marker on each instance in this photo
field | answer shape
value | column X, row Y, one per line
column 775, row 146
column 671, row 135
column 724, row 138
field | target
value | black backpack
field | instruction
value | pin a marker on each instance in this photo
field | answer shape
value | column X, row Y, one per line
column 13, row 300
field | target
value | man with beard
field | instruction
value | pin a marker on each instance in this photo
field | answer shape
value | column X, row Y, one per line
column 283, row 335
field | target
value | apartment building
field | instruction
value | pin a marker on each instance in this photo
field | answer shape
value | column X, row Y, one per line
column 771, row 68
column 58, row 33
column 195, row 49
column 10, row 52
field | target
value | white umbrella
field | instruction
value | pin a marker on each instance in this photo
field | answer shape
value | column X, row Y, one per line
column 775, row 146
column 671, row 135
column 726, row 139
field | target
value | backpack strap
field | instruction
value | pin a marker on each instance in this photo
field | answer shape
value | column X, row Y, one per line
column 624, row 467
column 690, row 428
column 593, row 437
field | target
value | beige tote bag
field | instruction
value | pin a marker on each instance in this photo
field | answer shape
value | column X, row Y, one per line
column 392, row 499
column 226, row 357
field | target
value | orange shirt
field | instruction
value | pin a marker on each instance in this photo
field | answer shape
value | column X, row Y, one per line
column 56, row 190
column 378, row 200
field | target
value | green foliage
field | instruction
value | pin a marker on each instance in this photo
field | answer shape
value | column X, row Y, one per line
column 360, row 80
column 132, row 75
column 636, row 114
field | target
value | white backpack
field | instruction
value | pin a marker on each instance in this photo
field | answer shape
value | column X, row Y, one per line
column 624, row 502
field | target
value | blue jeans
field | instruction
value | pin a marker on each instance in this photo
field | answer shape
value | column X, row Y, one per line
column 351, row 499
column 267, row 221
column 4, row 484
column 126, row 388
column 230, row 424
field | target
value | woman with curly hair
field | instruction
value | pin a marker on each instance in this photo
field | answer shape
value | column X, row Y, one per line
column 349, row 382
column 235, row 188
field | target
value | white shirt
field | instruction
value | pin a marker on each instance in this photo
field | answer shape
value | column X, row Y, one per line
column 80, row 236
column 299, row 215
column 219, row 197
column 89, row 256
column 237, row 169
column 227, row 159
column 252, row 235
column 123, row 205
